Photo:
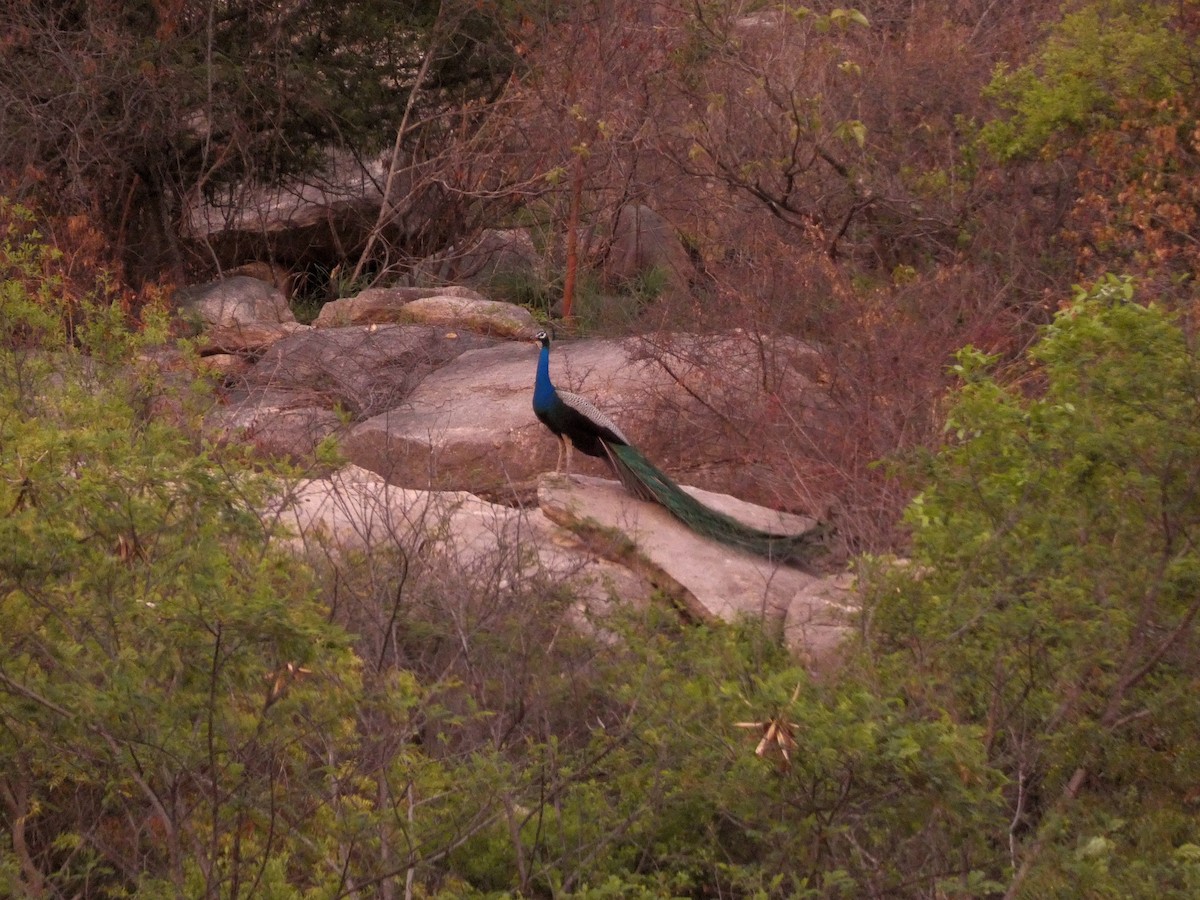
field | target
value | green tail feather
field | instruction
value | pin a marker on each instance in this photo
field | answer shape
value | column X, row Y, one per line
column 645, row 481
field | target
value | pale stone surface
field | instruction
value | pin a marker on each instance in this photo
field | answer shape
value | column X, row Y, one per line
column 361, row 370
column 247, row 337
column 382, row 305
column 286, row 424
column 356, row 509
column 713, row 581
column 237, row 302
column 238, row 314
column 485, row 316
column 440, row 405
column 316, row 383
column 314, row 216
column 229, row 365
column 471, row 423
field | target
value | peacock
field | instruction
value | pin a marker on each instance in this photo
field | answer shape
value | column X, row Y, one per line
column 578, row 424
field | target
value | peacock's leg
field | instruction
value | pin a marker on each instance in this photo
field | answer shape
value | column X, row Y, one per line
column 562, row 444
column 567, row 443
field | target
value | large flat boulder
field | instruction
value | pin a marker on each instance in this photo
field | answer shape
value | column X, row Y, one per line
column 354, row 509
column 711, row 580
column 311, row 385
column 314, row 216
column 452, row 307
column 588, row 536
column 470, row 424
column 361, row 370
column 484, row 316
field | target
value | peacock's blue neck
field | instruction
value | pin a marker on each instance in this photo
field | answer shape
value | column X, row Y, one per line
column 543, row 390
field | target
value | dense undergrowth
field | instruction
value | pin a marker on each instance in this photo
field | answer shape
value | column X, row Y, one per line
column 189, row 709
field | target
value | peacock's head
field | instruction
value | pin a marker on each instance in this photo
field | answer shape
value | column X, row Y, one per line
column 542, row 339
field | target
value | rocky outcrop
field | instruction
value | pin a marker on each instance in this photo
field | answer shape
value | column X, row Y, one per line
column 447, row 404
column 237, row 314
column 431, row 416
column 314, row 217
column 470, row 424
column 483, row 316
column 453, row 307
column 319, row 382
column 710, row 580
column 375, row 306
column 592, row 537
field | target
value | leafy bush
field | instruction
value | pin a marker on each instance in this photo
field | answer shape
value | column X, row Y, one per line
column 1098, row 55
column 1053, row 592
column 160, row 663
column 187, row 709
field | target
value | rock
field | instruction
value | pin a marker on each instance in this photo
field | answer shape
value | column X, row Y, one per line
column 313, row 384
column 485, row 316
column 238, row 314
column 285, row 424
column 235, row 302
column 313, row 217
column 228, row 365
column 819, row 616
column 251, row 337
column 471, row 423
column 452, row 307
column 265, row 271
column 380, row 305
column 362, row 370
column 712, row 581
column 356, row 509
column 291, row 433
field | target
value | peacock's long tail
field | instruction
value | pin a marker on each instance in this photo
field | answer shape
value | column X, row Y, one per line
column 647, row 482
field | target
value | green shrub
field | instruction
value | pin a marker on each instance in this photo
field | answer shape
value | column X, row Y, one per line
column 1054, row 584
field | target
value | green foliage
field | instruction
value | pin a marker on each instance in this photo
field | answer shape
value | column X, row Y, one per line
column 160, row 665
column 668, row 798
column 1100, row 53
column 1052, row 590
column 181, row 713
column 601, row 311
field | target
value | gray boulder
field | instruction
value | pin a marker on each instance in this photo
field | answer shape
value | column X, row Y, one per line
column 471, row 423
column 312, row 216
column 354, row 509
column 588, row 536
column 710, row 580
column 238, row 314
column 317, row 382
column 382, row 305
column 452, row 307
column 484, row 316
